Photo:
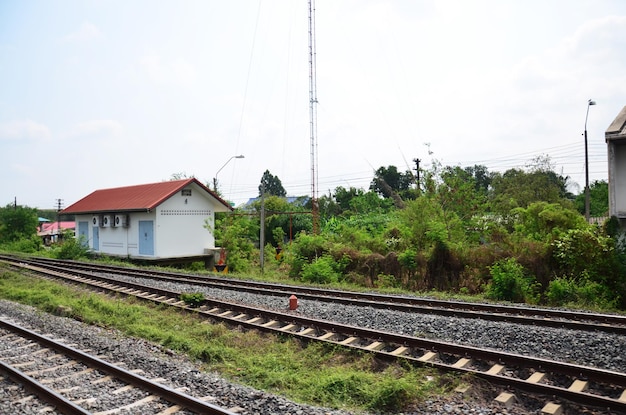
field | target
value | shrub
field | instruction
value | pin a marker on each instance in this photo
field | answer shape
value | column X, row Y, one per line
column 584, row 293
column 192, row 299
column 320, row 271
column 510, row 282
column 26, row 245
column 71, row 248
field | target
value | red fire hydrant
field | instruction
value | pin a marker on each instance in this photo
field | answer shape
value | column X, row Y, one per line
column 293, row 302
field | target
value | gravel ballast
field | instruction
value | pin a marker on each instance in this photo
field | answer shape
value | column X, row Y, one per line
column 592, row 349
column 595, row 349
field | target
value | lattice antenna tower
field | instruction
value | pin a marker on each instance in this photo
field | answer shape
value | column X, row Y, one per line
column 313, row 116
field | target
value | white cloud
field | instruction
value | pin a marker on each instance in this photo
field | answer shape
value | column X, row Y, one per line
column 24, row 130
column 85, row 33
column 96, row 129
column 177, row 72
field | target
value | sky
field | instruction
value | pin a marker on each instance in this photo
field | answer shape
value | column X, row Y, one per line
column 97, row 94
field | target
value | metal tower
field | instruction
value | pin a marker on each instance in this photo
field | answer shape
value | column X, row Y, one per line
column 313, row 116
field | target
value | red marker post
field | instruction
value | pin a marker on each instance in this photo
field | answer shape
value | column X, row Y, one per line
column 293, row 302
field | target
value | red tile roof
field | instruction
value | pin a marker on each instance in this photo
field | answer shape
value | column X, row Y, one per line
column 143, row 197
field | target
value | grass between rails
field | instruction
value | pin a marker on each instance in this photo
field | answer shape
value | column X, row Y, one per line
column 312, row 373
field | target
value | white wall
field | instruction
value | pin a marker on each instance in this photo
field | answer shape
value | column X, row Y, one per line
column 179, row 228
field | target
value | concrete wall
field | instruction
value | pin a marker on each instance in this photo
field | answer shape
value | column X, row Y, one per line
column 617, row 178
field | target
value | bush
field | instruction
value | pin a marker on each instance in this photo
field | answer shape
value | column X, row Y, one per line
column 321, row 271
column 510, row 282
column 24, row 245
column 192, row 299
column 584, row 293
column 71, row 248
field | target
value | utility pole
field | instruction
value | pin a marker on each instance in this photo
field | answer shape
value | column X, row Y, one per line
column 59, row 203
column 262, row 229
column 417, row 171
column 587, row 197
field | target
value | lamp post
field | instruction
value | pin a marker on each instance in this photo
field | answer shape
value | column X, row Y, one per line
column 587, row 201
column 227, row 161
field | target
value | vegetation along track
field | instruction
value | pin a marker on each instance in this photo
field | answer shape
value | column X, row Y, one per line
column 560, row 383
column 609, row 323
column 75, row 382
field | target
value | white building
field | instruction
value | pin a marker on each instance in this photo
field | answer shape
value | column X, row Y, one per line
column 157, row 221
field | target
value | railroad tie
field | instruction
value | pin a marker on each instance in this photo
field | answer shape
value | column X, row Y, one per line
column 505, row 398
column 348, row 341
column 536, row 377
column 552, row 408
column 400, row 351
column 495, row 369
column 328, row 336
column 579, row 386
column 375, row 346
column 428, row 357
column 462, row 362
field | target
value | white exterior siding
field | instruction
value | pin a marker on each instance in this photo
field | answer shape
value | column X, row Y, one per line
column 179, row 227
column 178, row 224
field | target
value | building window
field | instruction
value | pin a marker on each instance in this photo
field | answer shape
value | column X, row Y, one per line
column 185, row 192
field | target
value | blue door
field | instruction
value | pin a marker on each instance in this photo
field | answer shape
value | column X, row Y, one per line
column 96, row 238
column 146, row 237
column 83, row 233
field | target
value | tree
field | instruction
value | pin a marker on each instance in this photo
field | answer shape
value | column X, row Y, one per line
column 598, row 199
column 272, row 185
column 390, row 183
column 17, row 222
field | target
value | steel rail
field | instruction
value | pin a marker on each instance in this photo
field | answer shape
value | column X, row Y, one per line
column 511, row 314
column 310, row 329
column 167, row 393
column 44, row 393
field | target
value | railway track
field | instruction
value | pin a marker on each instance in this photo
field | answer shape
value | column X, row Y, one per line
column 74, row 382
column 535, row 316
column 562, row 385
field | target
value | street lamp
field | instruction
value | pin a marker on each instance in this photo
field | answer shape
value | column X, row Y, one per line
column 587, row 201
column 227, row 161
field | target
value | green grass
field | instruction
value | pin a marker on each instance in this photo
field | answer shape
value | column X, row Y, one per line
column 314, row 373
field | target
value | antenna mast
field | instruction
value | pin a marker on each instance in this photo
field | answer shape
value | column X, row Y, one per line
column 313, row 116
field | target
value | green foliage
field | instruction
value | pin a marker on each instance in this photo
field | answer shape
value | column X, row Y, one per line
column 390, row 183
column 518, row 188
column 511, row 283
column 25, row 245
column 271, row 185
column 544, row 221
column 304, row 249
column 236, row 234
column 322, row 270
column 598, row 199
column 17, row 222
column 583, row 292
column 71, row 248
column 581, row 252
column 192, row 299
